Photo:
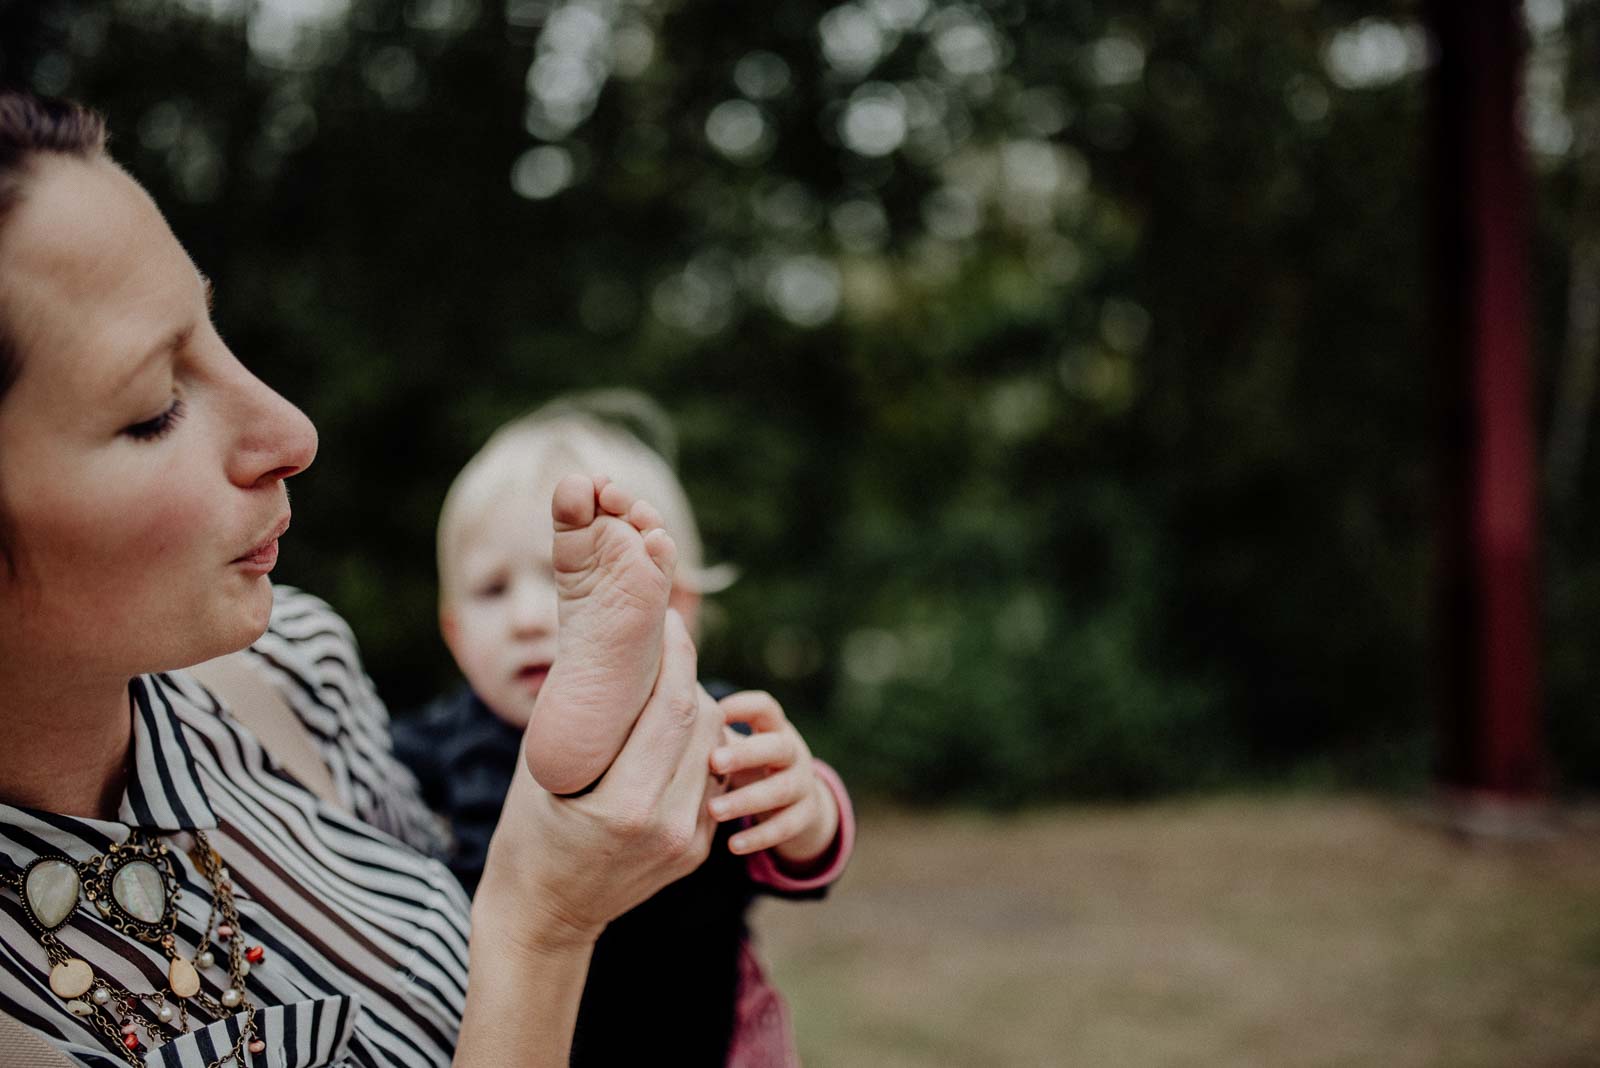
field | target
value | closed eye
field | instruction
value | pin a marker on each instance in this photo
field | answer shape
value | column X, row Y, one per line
column 160, row 426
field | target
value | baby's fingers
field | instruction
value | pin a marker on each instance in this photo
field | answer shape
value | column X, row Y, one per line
column 776, row 830
column 764, row 795
column 775, row 750
column 760, row 710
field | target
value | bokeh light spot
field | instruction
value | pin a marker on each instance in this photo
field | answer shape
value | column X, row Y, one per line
column 738, row 130
column 874, row 121
column 804, row 290
column 542, row 172
column 761, row 75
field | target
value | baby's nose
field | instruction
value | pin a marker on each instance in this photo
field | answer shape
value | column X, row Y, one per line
column 534, row 610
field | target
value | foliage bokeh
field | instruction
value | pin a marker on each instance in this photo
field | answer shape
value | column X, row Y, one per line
column 1056, row 371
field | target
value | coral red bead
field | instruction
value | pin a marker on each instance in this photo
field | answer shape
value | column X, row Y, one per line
column 256, row 1045
column 224, row 932
column 131, row 1040
column 255, row 954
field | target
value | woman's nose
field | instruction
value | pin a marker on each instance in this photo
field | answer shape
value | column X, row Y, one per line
column 275, row 439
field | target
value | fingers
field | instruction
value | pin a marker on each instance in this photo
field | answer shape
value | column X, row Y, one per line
column 650, row 757
column 755, row 707
column 683, row 804
column 780, row 828
column 773, row 750
column 787, row 787
column 692, row 783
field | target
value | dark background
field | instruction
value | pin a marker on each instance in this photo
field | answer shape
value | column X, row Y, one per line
column 1057, row 373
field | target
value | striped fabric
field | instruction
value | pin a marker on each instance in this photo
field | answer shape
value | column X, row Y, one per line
column 365, row 936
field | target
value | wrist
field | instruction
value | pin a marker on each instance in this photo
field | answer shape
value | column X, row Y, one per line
column 526, row 974
column 524, row 924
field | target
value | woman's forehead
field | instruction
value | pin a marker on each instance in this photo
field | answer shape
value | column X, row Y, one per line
column 91, row 271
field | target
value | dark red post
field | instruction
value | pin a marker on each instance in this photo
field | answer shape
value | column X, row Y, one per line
column 1490, row 737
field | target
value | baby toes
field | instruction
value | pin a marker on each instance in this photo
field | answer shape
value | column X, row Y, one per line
column 663, row 550
column 644, row 517
column 573, row 505
column 612, row 497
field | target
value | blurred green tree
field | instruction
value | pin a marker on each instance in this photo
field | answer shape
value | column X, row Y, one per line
column 1054, row 370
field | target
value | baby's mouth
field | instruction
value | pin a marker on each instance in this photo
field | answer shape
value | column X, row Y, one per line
column 532, row 676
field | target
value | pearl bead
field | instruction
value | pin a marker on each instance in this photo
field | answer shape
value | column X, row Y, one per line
column 223, row 874
column 244, row 968
column 224, row 932
column 206, row 959
column 164, row 1013
column 79, row 1008
column 101, row 995
column 257, row 1045
column 231, row 997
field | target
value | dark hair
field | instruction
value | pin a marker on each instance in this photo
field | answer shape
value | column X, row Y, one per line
column 30, row 125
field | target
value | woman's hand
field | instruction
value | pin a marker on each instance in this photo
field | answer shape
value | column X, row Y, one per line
column 772, row 780
column 573, row 864
column 560, row 869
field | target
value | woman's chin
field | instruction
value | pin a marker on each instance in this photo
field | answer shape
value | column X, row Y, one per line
column 258, row 609
column 234, row 624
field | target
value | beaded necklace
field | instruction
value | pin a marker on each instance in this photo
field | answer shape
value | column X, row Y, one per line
column 134, row 888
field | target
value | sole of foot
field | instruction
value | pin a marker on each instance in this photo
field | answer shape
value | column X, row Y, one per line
column 614, row 566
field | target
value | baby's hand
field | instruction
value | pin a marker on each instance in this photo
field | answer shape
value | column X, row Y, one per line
column 772, row 780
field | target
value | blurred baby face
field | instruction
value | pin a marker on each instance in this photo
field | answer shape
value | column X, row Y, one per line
column 499, row 611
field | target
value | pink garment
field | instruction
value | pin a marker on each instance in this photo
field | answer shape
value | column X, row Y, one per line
column 763, row 1034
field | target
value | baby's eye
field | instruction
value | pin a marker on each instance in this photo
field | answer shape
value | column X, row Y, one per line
column 490, row 590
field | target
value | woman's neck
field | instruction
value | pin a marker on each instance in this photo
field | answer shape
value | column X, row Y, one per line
column 65, row 745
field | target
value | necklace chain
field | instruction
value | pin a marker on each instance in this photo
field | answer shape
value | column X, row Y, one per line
column 97, row 882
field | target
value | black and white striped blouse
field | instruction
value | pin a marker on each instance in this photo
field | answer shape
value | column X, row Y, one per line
column 365, row 935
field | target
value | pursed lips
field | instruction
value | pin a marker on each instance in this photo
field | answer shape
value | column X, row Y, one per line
column 278, row 530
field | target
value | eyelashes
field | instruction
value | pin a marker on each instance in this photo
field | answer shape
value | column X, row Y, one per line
column 160, row 426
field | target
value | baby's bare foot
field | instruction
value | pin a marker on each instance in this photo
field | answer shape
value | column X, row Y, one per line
column 613, row 565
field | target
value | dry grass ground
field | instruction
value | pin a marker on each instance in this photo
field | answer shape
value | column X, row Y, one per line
column 1262, row 932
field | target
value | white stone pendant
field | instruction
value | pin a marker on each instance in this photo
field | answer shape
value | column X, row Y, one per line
column 50, row 891
column 140, row 891
column 71, row 978
column 182, row 978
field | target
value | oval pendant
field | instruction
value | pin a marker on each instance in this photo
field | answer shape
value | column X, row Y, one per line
column 50, row 892
column 71, row 978
column 140, row 890
column 182, row 978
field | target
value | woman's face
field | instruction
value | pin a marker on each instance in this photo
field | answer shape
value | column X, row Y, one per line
column 141, row 466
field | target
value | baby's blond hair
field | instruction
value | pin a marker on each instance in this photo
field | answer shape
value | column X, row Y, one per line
column 599, row 433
